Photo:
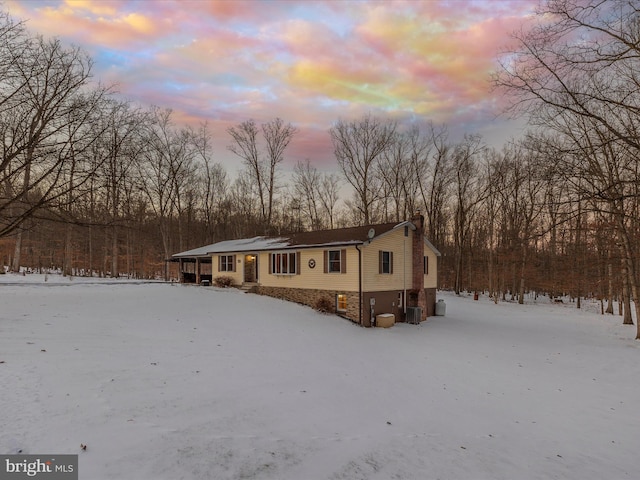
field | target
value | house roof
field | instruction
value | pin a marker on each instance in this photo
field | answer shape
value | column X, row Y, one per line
column 335, row 237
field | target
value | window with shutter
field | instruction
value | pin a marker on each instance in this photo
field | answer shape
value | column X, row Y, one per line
column 284, row 263
column 334, row 263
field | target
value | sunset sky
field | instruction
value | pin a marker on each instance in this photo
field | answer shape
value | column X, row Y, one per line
column 308, row 62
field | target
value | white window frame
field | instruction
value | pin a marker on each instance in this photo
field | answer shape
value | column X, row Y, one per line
column 388, row 263
column 284, row 263
column 226, row 263
column 329, row 261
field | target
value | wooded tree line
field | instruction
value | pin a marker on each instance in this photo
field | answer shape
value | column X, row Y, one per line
column 93, row 183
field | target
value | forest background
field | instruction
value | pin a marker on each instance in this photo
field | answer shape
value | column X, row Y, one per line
column 92, row 184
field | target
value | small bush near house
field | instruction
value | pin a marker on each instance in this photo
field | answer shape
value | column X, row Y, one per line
column 223, row 281
column 324, row 305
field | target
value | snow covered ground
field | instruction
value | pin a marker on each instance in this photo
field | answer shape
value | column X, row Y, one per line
column 182, row 382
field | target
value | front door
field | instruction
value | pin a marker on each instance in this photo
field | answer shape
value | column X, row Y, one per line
column 251, row 268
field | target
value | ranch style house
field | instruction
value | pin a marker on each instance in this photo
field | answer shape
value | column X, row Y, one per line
column 364, row 271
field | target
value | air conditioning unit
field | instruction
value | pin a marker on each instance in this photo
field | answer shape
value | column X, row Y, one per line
column 414, row 315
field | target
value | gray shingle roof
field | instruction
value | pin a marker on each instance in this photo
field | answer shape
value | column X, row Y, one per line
column 337, row 237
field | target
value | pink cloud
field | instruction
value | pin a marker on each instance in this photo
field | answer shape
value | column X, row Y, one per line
column 91, row 24
column 309, row 63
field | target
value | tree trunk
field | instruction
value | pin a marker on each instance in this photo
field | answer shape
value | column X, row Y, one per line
column 114, row 252
column 631, row 276
column 90, row 260
column 25, row 188
column 15, row 264
column 627, row 318
column 610, row 284
column 493, row 294
column 458, row 270
column 67, row 263
column 522, row 267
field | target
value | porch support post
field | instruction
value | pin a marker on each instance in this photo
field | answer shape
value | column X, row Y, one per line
column 197, row 271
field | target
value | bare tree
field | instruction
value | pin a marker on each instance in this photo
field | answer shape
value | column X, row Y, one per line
column 83, row 134
column 398, row 178
column 213, row 184
column 329, row 195
column 119, row 147
column 45, row 100
column 242, row 204
column 524, row 186
column 420, row 147
column 315, row 195
column 469, row 193
column 602, row 173
column 493, row 172
column 306, row 185
column 263, row 171
column 245, row 146
column 358, row 147
column 432, row 165
column 166, row 171
column 556, row 201
column 581, row 58
column 277, row 137
column 577, row 67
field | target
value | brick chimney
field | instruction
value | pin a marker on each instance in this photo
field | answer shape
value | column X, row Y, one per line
column 418, row 297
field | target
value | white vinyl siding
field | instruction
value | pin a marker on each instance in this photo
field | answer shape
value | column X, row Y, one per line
column 315, row 277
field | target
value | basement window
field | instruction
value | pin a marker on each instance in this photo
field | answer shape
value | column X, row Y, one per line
column 341, row 302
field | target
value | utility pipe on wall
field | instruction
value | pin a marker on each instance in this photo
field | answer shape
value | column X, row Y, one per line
column 404, row 270
column 360, row 306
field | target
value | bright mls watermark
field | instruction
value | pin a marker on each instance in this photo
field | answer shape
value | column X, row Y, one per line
column 46, row 467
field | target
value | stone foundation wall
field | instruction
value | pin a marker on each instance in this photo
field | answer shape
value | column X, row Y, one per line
column 310, row 297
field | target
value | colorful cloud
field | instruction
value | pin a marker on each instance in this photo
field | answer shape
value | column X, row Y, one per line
column 308, row 62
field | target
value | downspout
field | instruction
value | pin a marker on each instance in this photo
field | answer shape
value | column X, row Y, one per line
column 359, row 284
column 404, row 270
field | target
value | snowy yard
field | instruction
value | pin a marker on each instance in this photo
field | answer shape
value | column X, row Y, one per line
column 174, row 382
